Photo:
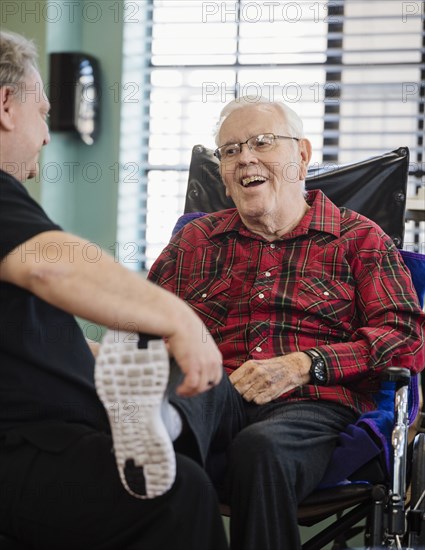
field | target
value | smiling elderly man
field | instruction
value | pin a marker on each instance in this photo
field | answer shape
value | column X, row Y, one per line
column 307, row 303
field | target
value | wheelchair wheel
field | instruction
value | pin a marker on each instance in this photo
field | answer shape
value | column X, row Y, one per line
column 417, row 490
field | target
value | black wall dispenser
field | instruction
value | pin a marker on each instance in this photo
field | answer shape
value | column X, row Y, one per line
column 74, row 94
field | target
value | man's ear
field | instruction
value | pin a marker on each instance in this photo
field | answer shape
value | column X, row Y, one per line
column 7, row 107
column 305, row 153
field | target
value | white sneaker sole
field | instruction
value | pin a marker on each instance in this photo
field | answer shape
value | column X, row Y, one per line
column 131, row 383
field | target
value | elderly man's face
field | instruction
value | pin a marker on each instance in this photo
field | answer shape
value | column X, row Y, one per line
column 30, row 129
column 261, row 183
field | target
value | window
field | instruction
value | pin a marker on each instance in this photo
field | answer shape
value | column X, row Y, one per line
column 354, row 71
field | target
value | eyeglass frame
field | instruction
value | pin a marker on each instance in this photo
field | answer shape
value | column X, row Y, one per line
column 275, row 136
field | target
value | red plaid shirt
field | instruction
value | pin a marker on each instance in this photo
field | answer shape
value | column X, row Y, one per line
column 336, row 284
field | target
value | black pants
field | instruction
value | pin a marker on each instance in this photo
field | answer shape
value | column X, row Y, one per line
column 264, row 459
column 71, row 497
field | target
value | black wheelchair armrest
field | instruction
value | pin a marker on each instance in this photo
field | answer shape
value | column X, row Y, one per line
column 399, row 375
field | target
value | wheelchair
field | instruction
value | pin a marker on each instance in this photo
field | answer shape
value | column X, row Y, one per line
column 376, row 188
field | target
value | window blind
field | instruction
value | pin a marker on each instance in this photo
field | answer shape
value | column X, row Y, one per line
column 354, row 70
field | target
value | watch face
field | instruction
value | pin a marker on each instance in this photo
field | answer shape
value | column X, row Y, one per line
column 319, row 371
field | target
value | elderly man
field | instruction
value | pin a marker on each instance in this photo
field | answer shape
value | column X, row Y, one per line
column 307, row 303
column 59, row 482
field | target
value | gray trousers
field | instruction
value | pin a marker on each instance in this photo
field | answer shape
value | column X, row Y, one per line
column 263, row 459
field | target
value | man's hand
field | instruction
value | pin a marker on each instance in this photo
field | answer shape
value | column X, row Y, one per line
column 262, row 380
column 197, row 356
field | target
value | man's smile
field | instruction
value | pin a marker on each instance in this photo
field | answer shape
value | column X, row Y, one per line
column 252, row 181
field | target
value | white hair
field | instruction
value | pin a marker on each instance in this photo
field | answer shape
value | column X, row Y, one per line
column 293, row 121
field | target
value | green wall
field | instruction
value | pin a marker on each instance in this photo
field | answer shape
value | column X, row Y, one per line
column 78, row 185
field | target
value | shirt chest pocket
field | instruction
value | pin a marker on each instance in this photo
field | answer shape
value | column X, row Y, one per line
column 210, row 299
column 328, row 300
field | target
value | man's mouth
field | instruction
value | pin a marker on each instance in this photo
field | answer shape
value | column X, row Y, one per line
column 252, row 181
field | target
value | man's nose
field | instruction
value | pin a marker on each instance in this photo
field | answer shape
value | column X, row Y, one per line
column 47, row 139
column 247, row 156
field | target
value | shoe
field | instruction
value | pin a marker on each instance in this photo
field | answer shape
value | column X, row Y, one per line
column 131, row 383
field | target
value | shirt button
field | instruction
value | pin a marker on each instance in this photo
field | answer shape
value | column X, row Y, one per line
column 261, row 295
column 258, row 349
column 267, row 274
column 326, row 293
column 272, row 245
column 204, row 295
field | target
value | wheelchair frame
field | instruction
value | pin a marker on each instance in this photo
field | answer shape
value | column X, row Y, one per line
column 389, row 522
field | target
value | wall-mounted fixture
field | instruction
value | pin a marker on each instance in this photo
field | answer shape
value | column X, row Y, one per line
column 74, row 94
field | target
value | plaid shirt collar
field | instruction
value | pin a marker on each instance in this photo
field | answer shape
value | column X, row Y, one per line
column 323, row 216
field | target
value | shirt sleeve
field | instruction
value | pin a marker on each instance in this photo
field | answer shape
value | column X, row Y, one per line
column 391, row 323
column 21, row 218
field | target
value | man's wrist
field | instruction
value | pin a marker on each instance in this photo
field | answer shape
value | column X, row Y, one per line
column 302, row 363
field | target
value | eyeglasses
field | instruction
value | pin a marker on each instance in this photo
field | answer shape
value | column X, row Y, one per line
column 260, row 144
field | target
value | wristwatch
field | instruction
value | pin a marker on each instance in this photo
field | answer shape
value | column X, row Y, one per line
column 318, row 373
